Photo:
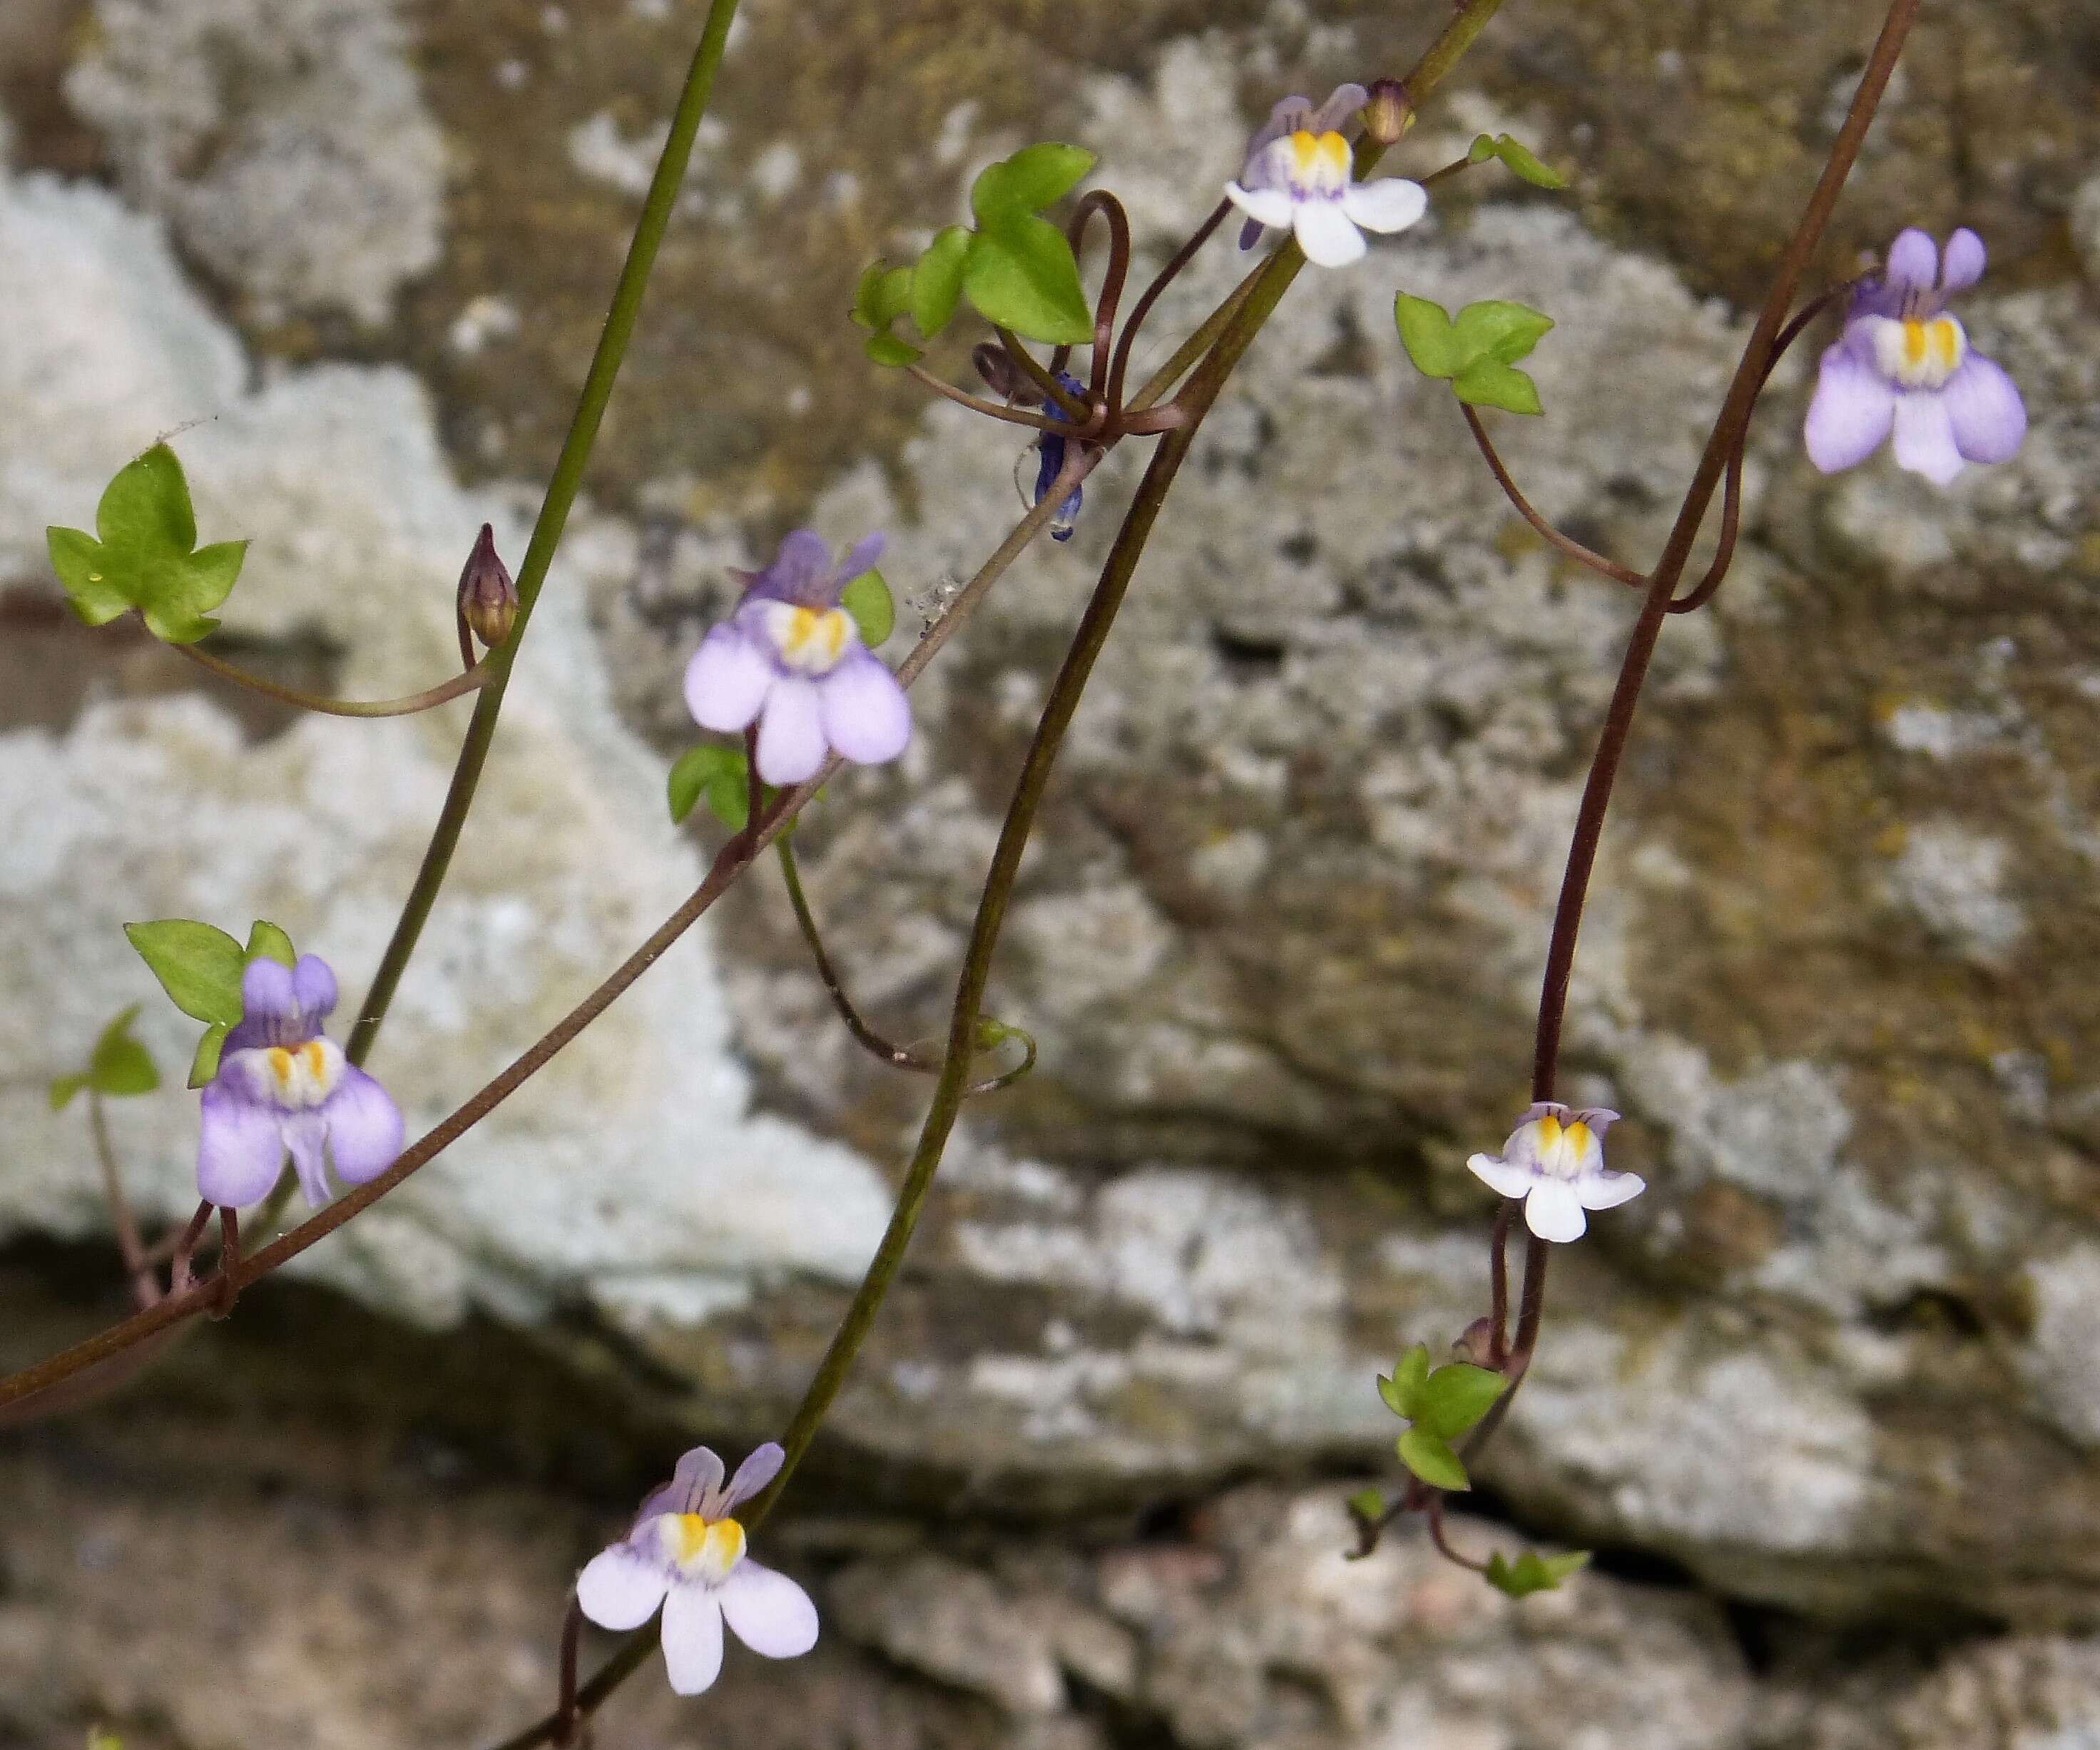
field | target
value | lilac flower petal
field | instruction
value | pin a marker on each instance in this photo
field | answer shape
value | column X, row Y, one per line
column 863, row 557
column 1286, row 117
column 313, row 988
column 1608, row 1191
column 268, row 993
column 1925, row 437
column 1962, row 265
column 726, row 681
column 1510, row 1180
column 1538, row 1109
column 866, row 716
column 239, row 1148
column 305, row 1136
column 1553, row 1212
column 771, row 1614
column 693, row 1637
column 699, row 1475
column 620, row 1588
column 1913, row 262
column 802, row 562
column 364, row 1129
column 1325, row 235
column 1344, row 101
column 1984, row 406
column 1391, row 203
column 790, row 733
column 1268, row 207
column 1850, row 412
column 1599, row 1118
column 1250, row 233
column 753, row 1474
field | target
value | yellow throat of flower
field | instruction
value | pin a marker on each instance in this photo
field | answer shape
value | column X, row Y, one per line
column 1319, row 162
column 811, row 640
column 705, row 1550
column 1919, row 354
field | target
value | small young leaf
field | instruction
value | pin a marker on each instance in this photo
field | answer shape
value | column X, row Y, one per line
column 1487, row 382
column 937, row 282
column 146, row 508
column 1021, row 186
column 1482, row 149
column 716, row 773
column 1528, row 1574
column 1022, row 276
column 120, row 1065
column 883, row 294
column 1456, row 1397
column 198, row 966
column 1497, row 328
column 867, row 599
column 63, row 1090
column 1520, row 162
column 1368, row 1505
column 886, row 350
column 1409, row 1377
column 77, row 558
column 266, row 939
column 1432, row 1460
column 205, row 1065
column 1426, row 331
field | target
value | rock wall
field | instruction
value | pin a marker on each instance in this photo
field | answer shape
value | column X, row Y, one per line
column 1825, row 1395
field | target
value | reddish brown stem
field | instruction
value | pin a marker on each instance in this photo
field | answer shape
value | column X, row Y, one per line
column 1151, row 295
column 1435, row 1515
column 1566, row 543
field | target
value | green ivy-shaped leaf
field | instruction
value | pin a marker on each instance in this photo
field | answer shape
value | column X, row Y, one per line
column 1403, row 1392
column 1517, row 158
column 147, row 556
column 867, row 599
column 1455, row 1396
column 198, row 965
column 1433, row 1461
column 266, row 941
column 716, row 772
column 1021, row 186
column 119, row 1066
column 1532, row 1572
column 936, row 281
column 1477, row 351
column 204, row 1062
column 1022, row 274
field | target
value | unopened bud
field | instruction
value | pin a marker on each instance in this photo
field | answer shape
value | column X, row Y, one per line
column 1387, row 112
column 1476, row 1343
column 487, row 598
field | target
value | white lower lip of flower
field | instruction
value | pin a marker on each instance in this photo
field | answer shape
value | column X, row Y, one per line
column 811, row 641
column 295, row 1078
column 1316, row 166
column 1917, row 354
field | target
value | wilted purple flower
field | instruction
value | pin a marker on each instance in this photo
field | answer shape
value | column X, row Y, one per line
column 1052, row 447
column 686, row 1554
column 1555, row 1161
column 281, row 1086
column 791, row 660
column 1902, row 363
column 1299, row 175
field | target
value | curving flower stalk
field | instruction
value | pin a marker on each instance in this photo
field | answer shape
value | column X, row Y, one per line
column 1299, row 176
column 686, row 1554
column 791, row 659
column 1904, row 364
column 282, row 1086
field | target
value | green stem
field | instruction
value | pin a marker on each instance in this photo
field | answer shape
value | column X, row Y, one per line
column 553, row 518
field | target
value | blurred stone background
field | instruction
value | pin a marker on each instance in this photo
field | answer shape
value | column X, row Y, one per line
column 1826, row 1399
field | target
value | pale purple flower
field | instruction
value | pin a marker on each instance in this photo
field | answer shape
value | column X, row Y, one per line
column 281, row 1086
column 686, row 1554
column 1299, row 176
column 1903, row 364
column 791, row 659
column 1555, row 1161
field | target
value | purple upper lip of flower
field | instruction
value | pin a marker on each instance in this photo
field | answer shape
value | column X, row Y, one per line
column 282, row 1087
column 802, row 573
column 1902, row 366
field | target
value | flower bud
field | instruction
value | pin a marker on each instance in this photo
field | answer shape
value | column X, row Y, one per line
column 1476, row 1343
column 487, row 598
column 1387, row 112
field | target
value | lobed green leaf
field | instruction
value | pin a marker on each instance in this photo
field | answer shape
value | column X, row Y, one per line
column 1022, row 276
column 120, row 1066
column 1455, row 1397
column 265, row 939
column 1021, row 186
column 937, row 282
column 1433, row 1461
column 1530, row 1572
column 868, row 600
column 198, row 965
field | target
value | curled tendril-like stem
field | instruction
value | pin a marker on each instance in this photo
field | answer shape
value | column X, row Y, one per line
column 1151, row 295
column 919, row 1061
column 1566, row 543
column 477, row 676
column 1100, row 201
column 1434, row 1513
